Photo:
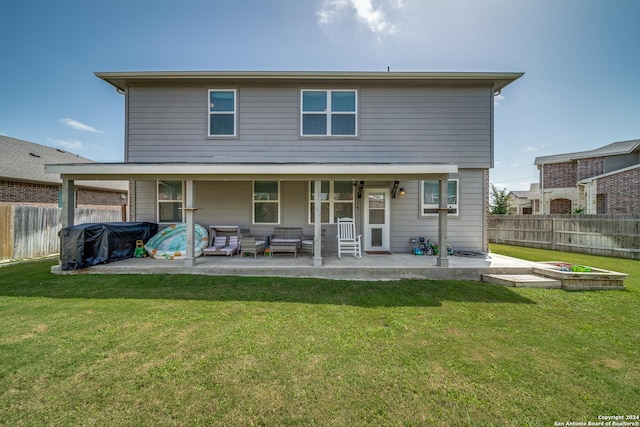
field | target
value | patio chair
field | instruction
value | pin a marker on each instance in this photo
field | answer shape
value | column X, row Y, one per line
column 251, row 244
column 348, row 241
column 232, row 246
column 306, row 246
column 217, row 243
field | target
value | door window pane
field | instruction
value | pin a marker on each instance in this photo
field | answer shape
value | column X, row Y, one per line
column 376, row 216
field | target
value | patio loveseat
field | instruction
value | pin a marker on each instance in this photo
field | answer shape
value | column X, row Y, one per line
column 285, row 239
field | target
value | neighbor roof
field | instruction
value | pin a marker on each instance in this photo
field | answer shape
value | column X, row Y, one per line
column 24, row 161
column 614, row 149
column 121, row 80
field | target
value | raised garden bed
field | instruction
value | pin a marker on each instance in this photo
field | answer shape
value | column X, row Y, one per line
column 580, row 277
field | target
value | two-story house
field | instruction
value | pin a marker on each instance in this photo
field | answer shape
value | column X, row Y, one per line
column 601, row 181
column 404, row 153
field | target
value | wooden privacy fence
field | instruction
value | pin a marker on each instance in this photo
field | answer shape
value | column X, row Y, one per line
column 606, row 235
column 32, row 231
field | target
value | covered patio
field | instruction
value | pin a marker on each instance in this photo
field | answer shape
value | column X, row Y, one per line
column 224, row 172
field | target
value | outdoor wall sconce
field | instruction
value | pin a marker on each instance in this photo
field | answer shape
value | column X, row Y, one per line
column 402, row 192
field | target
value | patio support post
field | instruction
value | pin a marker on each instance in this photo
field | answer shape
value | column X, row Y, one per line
column 189, row 210
column 443, row 260
column 317, row 225
column 68, row 202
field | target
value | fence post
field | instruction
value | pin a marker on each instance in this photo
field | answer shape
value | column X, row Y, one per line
column 553, row 234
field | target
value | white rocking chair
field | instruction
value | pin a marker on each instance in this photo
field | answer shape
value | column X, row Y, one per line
column 348, row 241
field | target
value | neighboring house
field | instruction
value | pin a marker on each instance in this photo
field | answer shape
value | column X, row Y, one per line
column 524, row 202
column 601, row 181
column 404, row 153
column 23, row 180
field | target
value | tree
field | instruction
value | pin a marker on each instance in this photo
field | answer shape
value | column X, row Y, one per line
column 498, row 200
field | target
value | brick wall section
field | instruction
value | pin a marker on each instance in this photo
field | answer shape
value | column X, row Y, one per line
column 560, row 206
column 16, row 192
column 560, row 175
column 590, row 167
column 623, row 192
column 28, row 193
column 100, row 198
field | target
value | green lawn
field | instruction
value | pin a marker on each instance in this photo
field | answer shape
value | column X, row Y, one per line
column 195, row 350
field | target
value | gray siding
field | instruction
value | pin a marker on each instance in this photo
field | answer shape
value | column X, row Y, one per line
column 434, row 125
column 145, row 196
column 465, row 231
column 229, row 203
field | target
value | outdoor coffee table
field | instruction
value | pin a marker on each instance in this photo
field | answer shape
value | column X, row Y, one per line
column 284, row 245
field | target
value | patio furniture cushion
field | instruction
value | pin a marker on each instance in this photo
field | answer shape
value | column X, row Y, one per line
column 232, row 246
column 285, row 239
column 217, row 244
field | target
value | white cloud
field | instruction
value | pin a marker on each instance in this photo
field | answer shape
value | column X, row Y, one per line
column 375, row 18
column 497, row 99
column 74, row 124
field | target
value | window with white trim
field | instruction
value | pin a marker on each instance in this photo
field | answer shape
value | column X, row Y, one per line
column 336, row 201
column 430, row 197
column 222, row 112
column 266, row 202
column 328, row 112
column 170, row 201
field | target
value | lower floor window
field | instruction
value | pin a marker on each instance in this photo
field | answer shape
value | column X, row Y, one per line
column 170, row 201
column 266, row 202
column 430, row 197
column 336, row 201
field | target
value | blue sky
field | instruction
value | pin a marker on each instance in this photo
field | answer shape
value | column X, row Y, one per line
column 581, row 59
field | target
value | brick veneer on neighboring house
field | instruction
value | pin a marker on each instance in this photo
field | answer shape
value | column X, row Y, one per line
column 589, row 167
column 623, row 192
column 560, row 175
column 26, row 193
column 600, row 181
column 17, row 192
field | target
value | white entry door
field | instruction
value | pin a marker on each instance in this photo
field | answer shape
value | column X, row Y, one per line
column 376, row 220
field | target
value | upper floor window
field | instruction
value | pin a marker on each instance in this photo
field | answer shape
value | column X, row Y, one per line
column 222, row 112
column 170, row 200
column 430, row 197
column 328, row 113
column 336, row 201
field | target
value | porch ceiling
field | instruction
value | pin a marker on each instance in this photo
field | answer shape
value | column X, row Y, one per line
column 250, row 171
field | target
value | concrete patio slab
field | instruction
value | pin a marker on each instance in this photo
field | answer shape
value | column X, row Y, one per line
column 369, row 267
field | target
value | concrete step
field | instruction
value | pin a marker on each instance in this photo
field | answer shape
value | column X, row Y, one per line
column 522, row 281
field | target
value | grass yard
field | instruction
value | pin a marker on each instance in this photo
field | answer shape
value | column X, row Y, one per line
column 195, row 350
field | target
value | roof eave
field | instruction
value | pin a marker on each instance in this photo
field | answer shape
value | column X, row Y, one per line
column 121, row 80
column 248, row 172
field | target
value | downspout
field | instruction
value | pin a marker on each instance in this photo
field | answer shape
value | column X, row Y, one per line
column 542, row 188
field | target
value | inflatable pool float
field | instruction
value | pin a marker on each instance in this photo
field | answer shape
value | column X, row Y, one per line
column 171, row 242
